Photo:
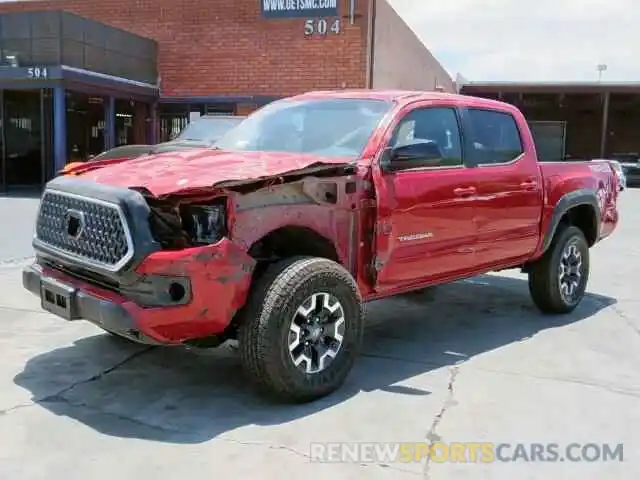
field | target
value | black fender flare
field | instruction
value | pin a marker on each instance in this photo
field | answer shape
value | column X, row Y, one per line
column 585, row 196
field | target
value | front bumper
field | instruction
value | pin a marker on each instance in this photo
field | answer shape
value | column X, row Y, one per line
column 219, row 277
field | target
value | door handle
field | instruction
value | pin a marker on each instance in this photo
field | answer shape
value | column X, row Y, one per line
column 464, row 191
column 529, row 185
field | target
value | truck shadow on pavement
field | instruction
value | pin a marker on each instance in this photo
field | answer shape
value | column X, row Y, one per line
column 176, row 396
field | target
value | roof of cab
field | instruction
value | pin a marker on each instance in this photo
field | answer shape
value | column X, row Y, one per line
column 402, row 96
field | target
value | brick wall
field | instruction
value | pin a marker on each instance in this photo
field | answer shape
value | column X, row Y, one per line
column 223, row 47
column 400, row 58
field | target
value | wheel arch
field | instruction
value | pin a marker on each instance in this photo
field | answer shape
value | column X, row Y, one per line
column 579, row 208
column 292, row 241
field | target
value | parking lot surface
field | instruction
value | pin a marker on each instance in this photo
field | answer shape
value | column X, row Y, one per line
column 468, row 362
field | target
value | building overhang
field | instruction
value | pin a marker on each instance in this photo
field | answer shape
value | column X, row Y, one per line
column 472, row 88
column 221, row 99
column 77, row 79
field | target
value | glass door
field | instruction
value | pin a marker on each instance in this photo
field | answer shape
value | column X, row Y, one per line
column 23, row 138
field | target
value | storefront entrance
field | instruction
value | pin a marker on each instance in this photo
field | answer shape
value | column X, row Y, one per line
column 28, row 125
column 85, row 126
column 25, row 138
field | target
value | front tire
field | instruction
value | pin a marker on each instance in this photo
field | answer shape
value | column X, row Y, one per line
column 301, row 330
column 558, row 280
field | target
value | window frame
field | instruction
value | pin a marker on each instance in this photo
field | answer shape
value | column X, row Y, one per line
column 468, row 127
column 384, row 158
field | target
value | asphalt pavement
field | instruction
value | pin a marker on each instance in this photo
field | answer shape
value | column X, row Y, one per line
column 468, row 367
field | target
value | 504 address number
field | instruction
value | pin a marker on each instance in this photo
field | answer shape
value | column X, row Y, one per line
column 321, row 27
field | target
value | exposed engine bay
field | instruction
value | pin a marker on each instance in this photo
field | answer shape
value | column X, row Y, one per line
column 176, row 226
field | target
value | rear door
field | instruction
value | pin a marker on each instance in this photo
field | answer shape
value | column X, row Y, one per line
column 424, row 227
column 509, row 182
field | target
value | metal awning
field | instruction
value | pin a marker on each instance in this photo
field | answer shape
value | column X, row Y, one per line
column 74, row 79
column 550, row 87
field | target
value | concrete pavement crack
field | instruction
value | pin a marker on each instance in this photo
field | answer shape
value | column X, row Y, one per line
column 177, row 433
column 403, row 360
column 432, row 434
column 23, row 310
column 574, row 381
column 626, row 319
column 272, row 446
column 13, row 262
column 59, row 394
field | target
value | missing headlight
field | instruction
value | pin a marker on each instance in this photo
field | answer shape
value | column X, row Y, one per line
column 205, row 224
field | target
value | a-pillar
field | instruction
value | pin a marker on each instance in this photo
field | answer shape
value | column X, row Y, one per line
column 59, row 129
column 109, row 123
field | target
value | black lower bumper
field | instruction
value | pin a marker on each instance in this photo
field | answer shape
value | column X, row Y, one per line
column 70, row 303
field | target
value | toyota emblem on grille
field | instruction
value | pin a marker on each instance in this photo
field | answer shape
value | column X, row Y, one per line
column 74, row 223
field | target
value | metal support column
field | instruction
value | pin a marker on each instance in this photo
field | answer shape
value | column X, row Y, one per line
column 605, row 124
column 109, row 123
column 154, row 127
column 59, row 128
column 3, row 139
column 43, row 140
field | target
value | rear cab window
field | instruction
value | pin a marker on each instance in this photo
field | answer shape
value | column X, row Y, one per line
column 493, row 137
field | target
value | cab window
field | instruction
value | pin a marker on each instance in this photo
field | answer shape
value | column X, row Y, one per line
column 494, row 137
column 438, row 126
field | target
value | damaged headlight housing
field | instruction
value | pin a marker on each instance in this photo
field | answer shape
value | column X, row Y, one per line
column 205, row 224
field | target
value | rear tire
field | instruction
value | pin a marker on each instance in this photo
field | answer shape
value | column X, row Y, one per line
column 558, row 280
column 301, row 329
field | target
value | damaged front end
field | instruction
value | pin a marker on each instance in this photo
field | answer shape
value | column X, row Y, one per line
column 193, row 235
column 150, row 269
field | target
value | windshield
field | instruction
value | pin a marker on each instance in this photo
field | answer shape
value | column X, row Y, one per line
column 327, row 127
column 208, row 129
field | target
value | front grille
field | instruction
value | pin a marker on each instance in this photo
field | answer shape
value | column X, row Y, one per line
column 87, row 230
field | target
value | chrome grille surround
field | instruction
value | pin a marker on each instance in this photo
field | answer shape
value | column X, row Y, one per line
column 104, row 240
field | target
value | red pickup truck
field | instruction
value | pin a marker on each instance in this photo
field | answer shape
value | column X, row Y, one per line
column 310, row 207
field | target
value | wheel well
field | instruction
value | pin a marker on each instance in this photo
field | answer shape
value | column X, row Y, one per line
column 584, row 217
column 285, row 242
column 292, row 241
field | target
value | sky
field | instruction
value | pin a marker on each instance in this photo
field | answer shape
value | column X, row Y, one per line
column 529, row 40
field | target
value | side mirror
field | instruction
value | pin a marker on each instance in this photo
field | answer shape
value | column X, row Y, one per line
column 414, row 155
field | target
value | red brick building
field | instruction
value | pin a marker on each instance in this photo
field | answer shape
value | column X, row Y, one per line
column 177, row 58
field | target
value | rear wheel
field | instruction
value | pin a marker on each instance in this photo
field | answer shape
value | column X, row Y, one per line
column 302, row 329
column 558, row 280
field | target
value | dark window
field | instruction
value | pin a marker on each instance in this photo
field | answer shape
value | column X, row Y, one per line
column 494, row 137
column 434, row 125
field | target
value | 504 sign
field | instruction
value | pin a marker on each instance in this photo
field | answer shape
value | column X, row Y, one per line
column 38, row 73
column 321, row 27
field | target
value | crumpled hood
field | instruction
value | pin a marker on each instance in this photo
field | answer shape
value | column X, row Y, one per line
column 192, row 170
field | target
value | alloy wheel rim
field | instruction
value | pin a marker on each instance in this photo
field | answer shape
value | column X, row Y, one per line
column 316, row 333
column 570, row 272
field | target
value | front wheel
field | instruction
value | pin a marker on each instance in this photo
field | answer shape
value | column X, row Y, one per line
column 301, row 330
column 558, row 280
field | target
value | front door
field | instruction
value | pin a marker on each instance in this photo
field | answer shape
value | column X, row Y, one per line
column 425, row 229
column 509, row 198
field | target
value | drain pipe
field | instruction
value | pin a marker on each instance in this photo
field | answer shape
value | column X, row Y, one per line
column 371, row 27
